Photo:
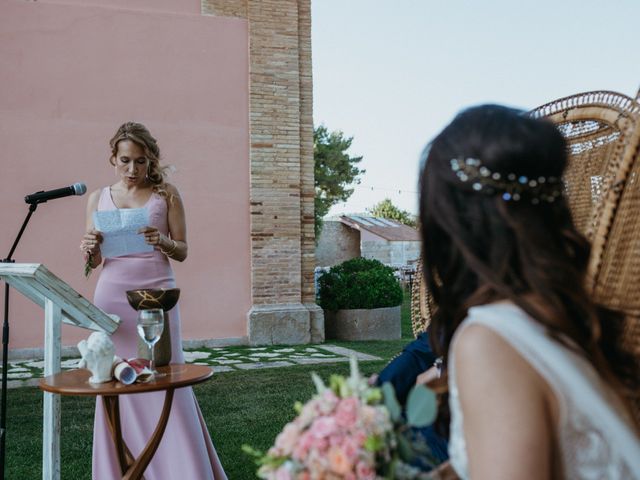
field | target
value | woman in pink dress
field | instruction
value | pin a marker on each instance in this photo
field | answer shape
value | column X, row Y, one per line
column 186, row 450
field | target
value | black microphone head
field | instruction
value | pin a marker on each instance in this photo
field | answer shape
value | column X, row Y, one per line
column 79, row 188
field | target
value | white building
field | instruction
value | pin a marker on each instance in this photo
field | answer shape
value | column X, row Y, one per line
column 351, row 236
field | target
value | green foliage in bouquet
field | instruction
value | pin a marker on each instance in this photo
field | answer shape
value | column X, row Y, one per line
column 359, row 283
column 350, row 429
column 87, row 265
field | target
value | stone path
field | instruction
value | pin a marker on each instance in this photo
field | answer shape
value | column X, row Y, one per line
column 23, row 373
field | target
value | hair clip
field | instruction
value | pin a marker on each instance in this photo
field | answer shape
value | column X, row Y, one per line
column 510, row 186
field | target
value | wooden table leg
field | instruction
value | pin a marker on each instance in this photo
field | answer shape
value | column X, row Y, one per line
column 112, row 411
column 139, row 466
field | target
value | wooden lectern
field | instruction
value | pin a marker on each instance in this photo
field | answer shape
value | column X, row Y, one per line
column 61, row 303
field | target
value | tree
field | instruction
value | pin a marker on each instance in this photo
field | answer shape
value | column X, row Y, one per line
column 386, row 209
column 335, row 171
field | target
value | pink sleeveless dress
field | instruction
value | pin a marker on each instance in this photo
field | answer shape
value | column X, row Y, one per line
column 186, row 450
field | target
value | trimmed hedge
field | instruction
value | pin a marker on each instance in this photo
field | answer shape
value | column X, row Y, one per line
column 359, row 283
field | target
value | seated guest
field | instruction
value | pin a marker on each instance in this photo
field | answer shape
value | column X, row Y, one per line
column 403, row 372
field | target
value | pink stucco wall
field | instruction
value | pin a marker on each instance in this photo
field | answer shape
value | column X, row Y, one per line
column 71, row 73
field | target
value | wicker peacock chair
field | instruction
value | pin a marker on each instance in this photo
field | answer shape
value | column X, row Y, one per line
column 603, row 187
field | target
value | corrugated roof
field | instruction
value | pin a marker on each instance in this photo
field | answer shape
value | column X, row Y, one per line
column 383, row 227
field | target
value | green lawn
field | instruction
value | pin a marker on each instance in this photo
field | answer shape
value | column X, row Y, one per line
column 239, row 407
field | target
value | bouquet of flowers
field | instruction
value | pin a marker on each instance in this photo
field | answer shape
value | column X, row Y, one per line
column 350, row 430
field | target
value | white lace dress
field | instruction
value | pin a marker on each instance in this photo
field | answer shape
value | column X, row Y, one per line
column 595, row 440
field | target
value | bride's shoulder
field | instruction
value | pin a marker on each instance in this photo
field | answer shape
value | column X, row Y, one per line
column 478, row 341
column 483, row 347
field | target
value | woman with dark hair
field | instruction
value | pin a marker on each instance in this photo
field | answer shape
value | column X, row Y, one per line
column 537, row 379
column 186, row 450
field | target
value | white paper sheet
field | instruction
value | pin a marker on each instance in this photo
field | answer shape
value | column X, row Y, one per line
column 120, row 231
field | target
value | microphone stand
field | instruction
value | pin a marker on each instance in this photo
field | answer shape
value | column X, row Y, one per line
column 5, row 343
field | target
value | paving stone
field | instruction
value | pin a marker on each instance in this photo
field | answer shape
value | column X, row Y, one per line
column 224, row 362
column 15, row 376
column 254, row 366
column 265, row 354
column 37, row 364
column 17, row 369
column 72, row 362
column 320, row 355
column 310, row 349
column 191, row 356
column 218, row 369
column 285, row 350
column 348, row 352
column 311, row 361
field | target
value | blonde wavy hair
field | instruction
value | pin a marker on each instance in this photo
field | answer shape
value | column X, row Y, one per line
column 140, row 135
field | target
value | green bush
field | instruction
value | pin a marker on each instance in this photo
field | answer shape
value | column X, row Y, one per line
column 359, row 283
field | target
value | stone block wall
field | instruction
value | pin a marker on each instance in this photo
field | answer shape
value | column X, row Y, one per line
column 281, row 163
column 336, row 244
column 391, row 253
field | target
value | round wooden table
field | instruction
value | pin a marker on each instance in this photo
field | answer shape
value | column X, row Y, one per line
column 76, row 382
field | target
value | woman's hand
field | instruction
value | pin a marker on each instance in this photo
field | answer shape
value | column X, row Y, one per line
column 90, row 244
column 153, row 237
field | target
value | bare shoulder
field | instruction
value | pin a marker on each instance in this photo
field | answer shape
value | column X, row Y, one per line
column 95, row 194
column 478, row 340
column 506, row 407
column 94, row 197
column 172, row 190
column 484, row 359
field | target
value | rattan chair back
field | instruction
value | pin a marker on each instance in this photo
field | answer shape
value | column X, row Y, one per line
column 601, row 129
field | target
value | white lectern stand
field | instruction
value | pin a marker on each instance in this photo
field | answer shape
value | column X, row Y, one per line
column 61, row 303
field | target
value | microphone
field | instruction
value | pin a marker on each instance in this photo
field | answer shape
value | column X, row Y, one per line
column 42, row 196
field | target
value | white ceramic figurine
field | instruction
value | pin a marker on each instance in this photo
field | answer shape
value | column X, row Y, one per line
column 97, row 356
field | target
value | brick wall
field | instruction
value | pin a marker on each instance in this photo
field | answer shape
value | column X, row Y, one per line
column 225, row 8
column 281, row 136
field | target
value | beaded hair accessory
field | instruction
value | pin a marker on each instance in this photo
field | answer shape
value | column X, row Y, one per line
column 510, row 187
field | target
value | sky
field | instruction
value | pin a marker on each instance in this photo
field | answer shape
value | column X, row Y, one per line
column 391, row 74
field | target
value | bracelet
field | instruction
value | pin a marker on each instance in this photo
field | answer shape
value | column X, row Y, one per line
column 173, row 249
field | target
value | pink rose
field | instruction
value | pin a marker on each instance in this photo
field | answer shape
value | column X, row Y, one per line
column 320, row 445
column 338, row 461
column 303, row 446
column 369, row 415
column 347, row 412
column 365, row 472
column 351, row 449
column 287, row 439
column 317, row 465
column 359, row 437
column 323, row 427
